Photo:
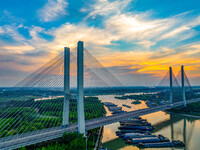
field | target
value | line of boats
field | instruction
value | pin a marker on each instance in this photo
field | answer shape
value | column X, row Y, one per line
column 113, row 108
column 137, row 131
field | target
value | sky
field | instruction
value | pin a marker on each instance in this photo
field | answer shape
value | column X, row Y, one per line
column 137, row 40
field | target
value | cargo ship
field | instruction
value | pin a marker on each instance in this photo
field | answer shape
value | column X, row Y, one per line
column 126, row 106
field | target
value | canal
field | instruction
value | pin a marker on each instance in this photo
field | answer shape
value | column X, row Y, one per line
column 174, row 127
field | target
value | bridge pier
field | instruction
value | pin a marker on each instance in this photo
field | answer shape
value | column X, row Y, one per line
column 66, row 86
column 80, row 84
column 183, row 85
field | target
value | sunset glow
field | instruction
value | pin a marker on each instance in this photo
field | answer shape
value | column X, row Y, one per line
column 134, row 37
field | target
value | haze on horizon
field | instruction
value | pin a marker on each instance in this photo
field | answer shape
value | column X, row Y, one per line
column 131, row 38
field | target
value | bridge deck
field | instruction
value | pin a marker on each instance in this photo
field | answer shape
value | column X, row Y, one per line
column 35, row 137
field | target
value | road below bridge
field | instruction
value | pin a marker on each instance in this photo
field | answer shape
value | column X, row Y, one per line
column 35, row 137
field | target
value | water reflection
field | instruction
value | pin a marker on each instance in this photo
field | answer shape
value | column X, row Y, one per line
column 172, row 126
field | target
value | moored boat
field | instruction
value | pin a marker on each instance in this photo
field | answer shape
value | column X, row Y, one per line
column 133, row 120
column 118, row 112
column 146, row 128
column 160, row 138
column 126, row 106
column 141, row 136
column 131, row 134
column 162, row 144
column 114, row 108
column 135, row 124
column 109, row 104
column 118, row 133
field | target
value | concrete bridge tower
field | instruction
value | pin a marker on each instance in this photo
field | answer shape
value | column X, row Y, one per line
column 183, row 85
column 80, row 87
column 66, row 86
column 80, row 84
column 171, row 85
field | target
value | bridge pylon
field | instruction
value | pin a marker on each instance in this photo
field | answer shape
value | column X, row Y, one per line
column 66, row 86
column 171, row 85
column 80, row 86
column 183, row 85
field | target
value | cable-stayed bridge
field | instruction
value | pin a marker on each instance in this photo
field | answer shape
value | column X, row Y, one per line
column 72, row 88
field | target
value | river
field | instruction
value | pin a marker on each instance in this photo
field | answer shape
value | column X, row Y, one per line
column 174, row 127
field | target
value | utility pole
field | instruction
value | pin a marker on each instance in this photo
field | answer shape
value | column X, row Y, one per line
column 66, row 86
column 80, row 84
column 183, row 85
column 171, row 85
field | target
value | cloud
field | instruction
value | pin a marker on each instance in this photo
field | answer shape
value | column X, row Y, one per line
column 8, row 18
column 147, row 58
column 142, row 27
column 120, row 70
column 12, row 32
column 1, row 30
column 52, row 10
column 134, row 77
column 175, row 32
column 106, row 7
column 19, row 49
column 69, row 34
column 156, row 63
column 146, row 43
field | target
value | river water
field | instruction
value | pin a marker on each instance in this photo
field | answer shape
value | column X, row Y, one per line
column 174, row 127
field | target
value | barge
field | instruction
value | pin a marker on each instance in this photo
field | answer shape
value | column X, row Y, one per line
column 162, row 144
column 109, row 104
column 133, row 120
column 141, row 136
column 135, row 124
column 131, row 135
column 118, row 112
column 146, row 128
column 157, row 139
column 114, row 108
column 126, row 106
column 118, row 133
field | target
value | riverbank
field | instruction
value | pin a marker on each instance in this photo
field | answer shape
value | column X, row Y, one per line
column 184, row 115
column 99, row 138
column 191, row 110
